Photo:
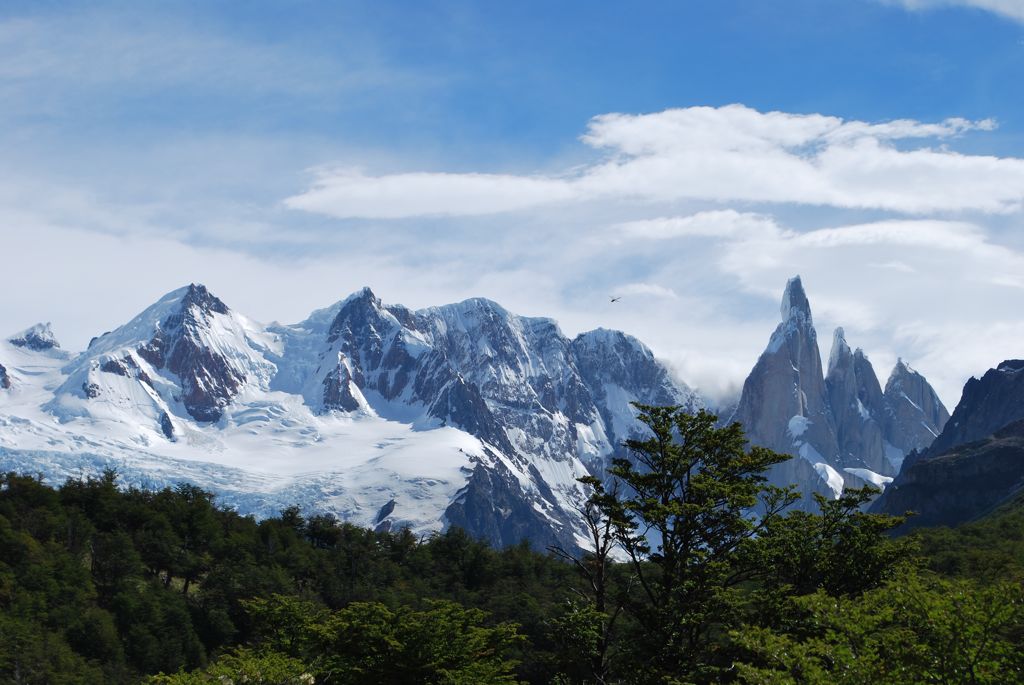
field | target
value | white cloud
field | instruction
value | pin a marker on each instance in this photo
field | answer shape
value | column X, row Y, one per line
column 894, row 265
column 645, row 289
column 938, row 293
column 1014, row 9
column 727, row 223
column 351, row 194
column 731, row 153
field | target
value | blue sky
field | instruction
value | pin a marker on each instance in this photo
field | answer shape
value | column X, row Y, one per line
column 689, row 156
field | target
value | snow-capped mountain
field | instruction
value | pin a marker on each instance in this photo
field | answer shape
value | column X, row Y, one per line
column 464, row 414
column 39, row 337
column 842, row 430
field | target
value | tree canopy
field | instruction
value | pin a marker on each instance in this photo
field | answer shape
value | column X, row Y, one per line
column 697, row 572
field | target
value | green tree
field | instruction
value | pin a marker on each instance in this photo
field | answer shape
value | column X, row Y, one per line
column 367, row 642
column 585, row 628
column 914, row 629
column 683, row 516
column 244, row 666
column 841, row 550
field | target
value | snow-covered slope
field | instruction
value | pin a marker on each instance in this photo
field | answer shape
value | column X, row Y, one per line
column 463, row 414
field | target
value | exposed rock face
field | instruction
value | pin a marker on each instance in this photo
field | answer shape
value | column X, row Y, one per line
column 5, row 379
column 843, row 429
column 208, row 381
column 517, row 383
column 39, row 337
column 618, row 369
column 514, row 381
column 166, row 426
column 960, row 484
column 186, row 356
column 975, row 463
column 126, row 367
column 492, row 507
column 784, row 405
column 859, row 408
column 508, row 412
column 916, row 415
column 987, row 404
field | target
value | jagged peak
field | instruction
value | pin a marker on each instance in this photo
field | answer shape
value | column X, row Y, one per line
column 363, row 295
column 603, row 335
column 38, row 337
column 197, row 295
column 840, row 349
column 361, row 304
column 478, row 304
column 360, row 301
column 1011, row 366
column 902, row 369
column 189, row 305
column 794, row 301
column 193, row 295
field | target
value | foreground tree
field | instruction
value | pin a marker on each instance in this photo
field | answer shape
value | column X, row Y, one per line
column 585, row 629
column 682, row 514
column 367, row 642
column 915, row 629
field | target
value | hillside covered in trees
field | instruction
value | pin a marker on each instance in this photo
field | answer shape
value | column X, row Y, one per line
column 104, row 585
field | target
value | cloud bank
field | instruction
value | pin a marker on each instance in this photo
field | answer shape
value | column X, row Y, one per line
column 724, row 154
column 933, row 291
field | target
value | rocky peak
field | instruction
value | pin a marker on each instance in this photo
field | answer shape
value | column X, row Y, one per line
column 605, row 356
column 5, row 380
column 784, row 405
column 39, row 337
column 989, row 403
column 899, row 372
column 360, row 311
column 794, row 302
column 916, row 414
column 858, row 407
column 197, row 296
column 362, row 299
column 181, row 344
column 841, row 355
column 1011, row 366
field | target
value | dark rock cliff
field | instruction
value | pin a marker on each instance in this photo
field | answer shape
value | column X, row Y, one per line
column 960, row 484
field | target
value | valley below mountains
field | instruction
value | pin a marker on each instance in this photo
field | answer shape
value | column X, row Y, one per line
column 459, row 415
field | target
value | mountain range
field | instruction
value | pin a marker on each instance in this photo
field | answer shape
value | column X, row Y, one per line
column 463, row 414
column 845, row 430
column 976, row 464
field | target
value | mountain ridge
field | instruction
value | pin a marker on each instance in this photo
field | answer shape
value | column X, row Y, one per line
column 841, row 428
column 462, row 414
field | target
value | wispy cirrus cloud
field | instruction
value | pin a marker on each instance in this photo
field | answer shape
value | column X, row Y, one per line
column 1013, row 9
column 348, row 193
column 725, row 223
column 645, row 290
column 731, row 153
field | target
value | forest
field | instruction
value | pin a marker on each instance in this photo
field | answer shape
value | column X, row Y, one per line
column 697, row 572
